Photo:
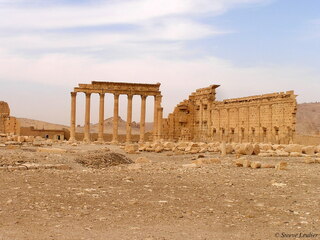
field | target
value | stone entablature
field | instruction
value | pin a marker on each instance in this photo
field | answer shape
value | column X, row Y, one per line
column 262, row 118
column 118, row 88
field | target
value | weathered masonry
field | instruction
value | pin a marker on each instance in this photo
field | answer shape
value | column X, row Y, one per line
column 8, row 124
column 263, row 118
column 117, row 88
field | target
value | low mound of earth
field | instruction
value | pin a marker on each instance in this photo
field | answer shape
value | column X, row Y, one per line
column 102, row 159
column 25, row 122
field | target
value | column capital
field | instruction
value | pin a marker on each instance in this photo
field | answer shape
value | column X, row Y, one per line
column 143, row 96
column 73, row 94
column 130, row 95
column 158, row 97
column 88, row 93
column 102, row 94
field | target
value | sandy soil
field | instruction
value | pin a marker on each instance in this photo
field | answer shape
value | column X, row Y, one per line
column 158, row 200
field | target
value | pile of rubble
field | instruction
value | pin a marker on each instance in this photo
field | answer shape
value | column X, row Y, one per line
column 102, row 159
column 260, row 149
column 10, row 141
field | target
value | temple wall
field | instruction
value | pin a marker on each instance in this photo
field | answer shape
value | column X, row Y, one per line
column 262, row 118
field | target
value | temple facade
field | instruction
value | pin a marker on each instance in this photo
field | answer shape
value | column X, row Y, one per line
column 262, row 118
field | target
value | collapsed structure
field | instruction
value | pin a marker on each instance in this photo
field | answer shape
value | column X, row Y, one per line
column 263, row 118
column 8, row 124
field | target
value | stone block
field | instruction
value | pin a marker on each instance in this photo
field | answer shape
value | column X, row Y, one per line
column 282, row 153
column 293, row 148
column 309, row 160
column 159, row 149
column 309, row 150
column 182, row 146
column 244, row 149
column 246, row 163
column 256, row 149
column 169, row 146
column 267, row 165
column 223, row 149
column 295, row 154
column 239, row 162
column 131, row 148
column 265, row 147
column 203, row 150
column 255, row 165
column 281, row 166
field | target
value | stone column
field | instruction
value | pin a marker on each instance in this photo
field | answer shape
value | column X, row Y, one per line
column 73, row 116
column 143, row 118
column 129, row 118
column 200, row 136
column 101, row 118
column 160, row 113
column 87, row 119
column 155, row 117
column 115, row 118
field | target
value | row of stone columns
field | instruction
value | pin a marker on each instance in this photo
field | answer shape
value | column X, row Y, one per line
column 158, row 114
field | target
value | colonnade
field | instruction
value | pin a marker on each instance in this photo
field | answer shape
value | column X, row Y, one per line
column 157, row 126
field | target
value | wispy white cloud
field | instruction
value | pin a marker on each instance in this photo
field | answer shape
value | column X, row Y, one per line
column 152, row 49
column 178, row 78
column 110, row 12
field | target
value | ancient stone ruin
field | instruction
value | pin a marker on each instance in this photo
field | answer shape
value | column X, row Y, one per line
column 263, row 118
column 116, row 88
column 8, row 124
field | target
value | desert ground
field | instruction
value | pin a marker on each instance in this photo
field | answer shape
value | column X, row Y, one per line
column 73, row 193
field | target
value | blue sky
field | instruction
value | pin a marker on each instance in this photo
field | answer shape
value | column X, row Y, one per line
column 249, row 47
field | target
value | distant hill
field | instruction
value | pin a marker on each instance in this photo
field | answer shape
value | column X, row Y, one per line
column 25, row 122
column 308, row 119
column 108, row 126
column 308, row 122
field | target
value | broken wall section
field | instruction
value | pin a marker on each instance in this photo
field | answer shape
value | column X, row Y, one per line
column 8, row 124
column 262, row 118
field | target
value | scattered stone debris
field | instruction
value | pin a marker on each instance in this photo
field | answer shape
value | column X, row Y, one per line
column 281, row 166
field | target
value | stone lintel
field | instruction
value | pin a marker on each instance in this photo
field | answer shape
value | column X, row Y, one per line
column 119, row 92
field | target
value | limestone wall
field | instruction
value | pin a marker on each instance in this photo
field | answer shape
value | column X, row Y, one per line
column 8, row 124
column 45, row 133
column 262, row 118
